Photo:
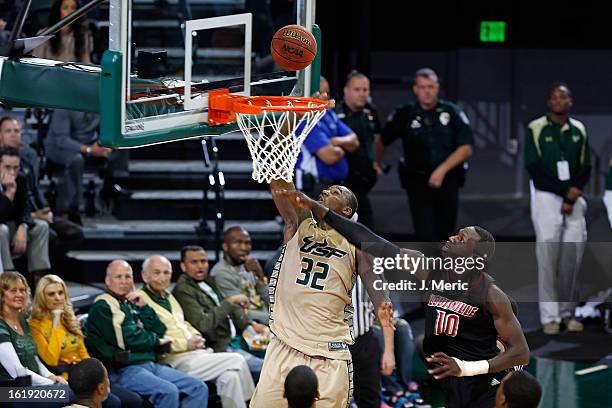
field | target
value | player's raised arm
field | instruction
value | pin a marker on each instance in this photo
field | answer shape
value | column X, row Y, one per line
column 292, row 214
column 509, row 330
column 355, row 233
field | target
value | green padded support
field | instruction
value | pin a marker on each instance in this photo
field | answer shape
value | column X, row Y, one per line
column 315, row 67
column 29, row 85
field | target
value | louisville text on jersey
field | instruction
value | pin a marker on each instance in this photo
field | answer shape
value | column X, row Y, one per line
column 453, row 305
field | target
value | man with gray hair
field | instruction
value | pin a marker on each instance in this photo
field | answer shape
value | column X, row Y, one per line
column 188, row 352
column 437, row 141
column 123, row 331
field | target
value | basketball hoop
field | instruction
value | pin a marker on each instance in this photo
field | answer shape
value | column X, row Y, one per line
column 274, row 127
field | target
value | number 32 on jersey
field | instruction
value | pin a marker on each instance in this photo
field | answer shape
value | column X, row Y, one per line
column 313, row 274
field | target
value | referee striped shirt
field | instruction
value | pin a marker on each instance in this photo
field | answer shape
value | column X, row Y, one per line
column 363, row 316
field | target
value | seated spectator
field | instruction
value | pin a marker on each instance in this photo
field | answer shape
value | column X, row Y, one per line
column 321, row 163
column 301, row 387
column 59, row 338
column 10, row 136
column 518, row 389
column 217, row 319
column 399, row 381
column 74, row 43
column 89, row 381
column 17, row 348
column 63, row 235
column 4, row 34
column 17, row 229
column 188, row 352
column 71, row 144
column 124, row 331
column 239, row 273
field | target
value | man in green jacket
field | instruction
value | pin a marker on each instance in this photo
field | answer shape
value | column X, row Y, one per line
column 218, row 319
column 558, row 159
column 125, row 332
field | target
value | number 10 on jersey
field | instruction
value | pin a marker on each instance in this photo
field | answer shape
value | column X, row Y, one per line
column 446, row 323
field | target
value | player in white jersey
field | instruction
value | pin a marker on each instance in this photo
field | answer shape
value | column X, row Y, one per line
column 310, row 302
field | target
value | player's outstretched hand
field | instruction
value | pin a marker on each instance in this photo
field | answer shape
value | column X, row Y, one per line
column 305, row 202
column 297, row 197
column 385, row 315
column 447, row 366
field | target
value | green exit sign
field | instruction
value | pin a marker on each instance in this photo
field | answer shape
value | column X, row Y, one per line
column 493, row 31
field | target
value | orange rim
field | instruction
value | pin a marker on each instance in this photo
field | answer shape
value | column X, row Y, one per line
column 254, row 105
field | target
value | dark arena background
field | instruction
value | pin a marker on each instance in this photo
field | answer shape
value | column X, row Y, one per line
column 495, row 60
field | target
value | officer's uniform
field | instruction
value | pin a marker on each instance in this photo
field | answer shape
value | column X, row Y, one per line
column 362, row 176
column 429, row 137
column 608, row 194
column 557, row 157
column 312, row 174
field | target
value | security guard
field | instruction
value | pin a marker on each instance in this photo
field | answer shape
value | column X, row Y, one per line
column 437, row 141
column 558, row 159
column 362, row 118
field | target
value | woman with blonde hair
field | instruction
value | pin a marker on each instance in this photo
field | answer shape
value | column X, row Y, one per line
column 54, row 326
column 17, row 348
column 58, row 334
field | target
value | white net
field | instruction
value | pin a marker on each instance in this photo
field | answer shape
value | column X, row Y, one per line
column 275, row 140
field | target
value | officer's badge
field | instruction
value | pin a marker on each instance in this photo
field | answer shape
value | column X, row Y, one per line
column 444, row 118
column 415, row 124
column 576, row 138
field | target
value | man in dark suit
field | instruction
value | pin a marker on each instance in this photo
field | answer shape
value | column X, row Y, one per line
column 19, row 234
column 218, row 319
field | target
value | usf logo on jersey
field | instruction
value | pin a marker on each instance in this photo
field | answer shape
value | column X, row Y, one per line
column 310, row 246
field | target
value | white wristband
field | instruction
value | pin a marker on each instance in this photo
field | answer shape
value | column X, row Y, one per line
column 472, row 368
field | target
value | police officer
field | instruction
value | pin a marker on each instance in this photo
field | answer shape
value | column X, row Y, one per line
column 356, row 111
column 437, row 141
column 558, row 159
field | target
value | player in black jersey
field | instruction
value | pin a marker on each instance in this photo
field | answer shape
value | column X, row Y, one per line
column 461, row 326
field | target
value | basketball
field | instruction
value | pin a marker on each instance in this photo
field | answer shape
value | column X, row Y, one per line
column 293, row 47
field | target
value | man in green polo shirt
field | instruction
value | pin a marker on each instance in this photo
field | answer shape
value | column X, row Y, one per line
column 608, row 194
column 437, row 141
column 558, row 159
column 360, row 115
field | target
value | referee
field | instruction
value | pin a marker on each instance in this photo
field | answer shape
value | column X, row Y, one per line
column 365, row 352
column 437, row 141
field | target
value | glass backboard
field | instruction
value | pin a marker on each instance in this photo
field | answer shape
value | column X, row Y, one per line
column 166, row 55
